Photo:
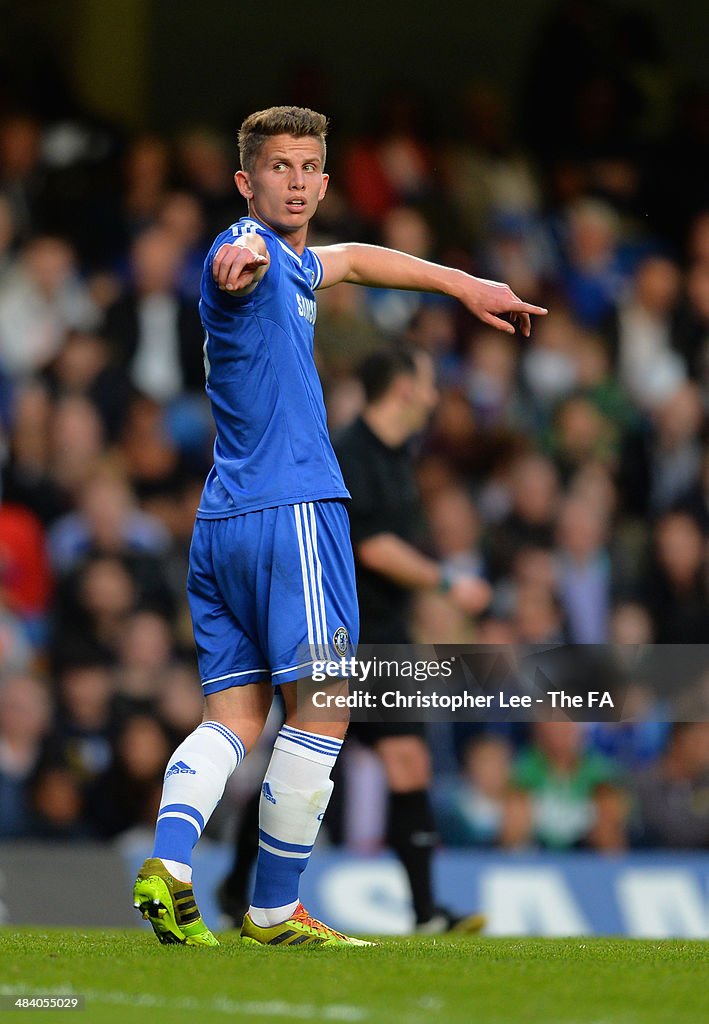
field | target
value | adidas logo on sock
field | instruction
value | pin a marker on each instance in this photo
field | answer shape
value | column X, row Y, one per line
column 179, row 768
column 266, row 790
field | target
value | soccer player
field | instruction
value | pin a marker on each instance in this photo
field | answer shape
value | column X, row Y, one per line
column 271, row 567
column 385, row 516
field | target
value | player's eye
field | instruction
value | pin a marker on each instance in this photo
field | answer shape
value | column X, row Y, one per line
column 309, row 167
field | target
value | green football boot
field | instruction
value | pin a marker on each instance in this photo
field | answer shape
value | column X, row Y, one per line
column 299, row 930
column 170, row 906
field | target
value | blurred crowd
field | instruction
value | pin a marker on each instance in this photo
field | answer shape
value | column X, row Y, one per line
column 571, row 469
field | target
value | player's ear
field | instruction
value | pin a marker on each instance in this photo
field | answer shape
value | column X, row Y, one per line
column 323, row 187
column 243, row 184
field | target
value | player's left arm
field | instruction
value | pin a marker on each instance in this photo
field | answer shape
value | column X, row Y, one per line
column 386, row 268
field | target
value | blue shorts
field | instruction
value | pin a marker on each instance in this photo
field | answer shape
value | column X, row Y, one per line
column 270, row 592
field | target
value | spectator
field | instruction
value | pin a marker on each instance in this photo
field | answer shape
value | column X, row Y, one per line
column 584, row 572
column 28, row 477
column 593, row 276
column 146, row 170
column 488, row 181
column 182, row 217
column 676, row 586
column 83, row 727
column 672, row 795
column 454, row 526
column 94, row 601
column 205, row 170
column 108, row 520
column 641, row 333
column 22, row 177
column 57, row 804
column 83, row 368
column 76, row 443
column 489, row 376
column 538, row 616
column 471, row 809
column 41, row 299
column 25, row 577
column 406, row 229
column 127, row 794
column 582, row 434
column 693, row 326
column 25, row 715
column 569, row 796
column 145, row 655
column 7, row 237
column 156, row 336
column 533, row 490
column 149, row 452
column 549, row 371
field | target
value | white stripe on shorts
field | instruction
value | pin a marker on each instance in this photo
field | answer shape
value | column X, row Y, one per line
column 306, row 586
column 320, row 591
column 311, row 570
column 313, row 581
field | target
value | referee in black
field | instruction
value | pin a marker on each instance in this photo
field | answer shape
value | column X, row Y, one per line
column 385, row 522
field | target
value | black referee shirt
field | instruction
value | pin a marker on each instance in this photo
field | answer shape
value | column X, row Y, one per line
column 385, row 499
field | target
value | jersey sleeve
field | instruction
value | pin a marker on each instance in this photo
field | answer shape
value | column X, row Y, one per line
column 312, row 263
column 209, row 286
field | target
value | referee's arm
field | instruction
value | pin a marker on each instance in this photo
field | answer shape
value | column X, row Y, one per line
column 390, row 556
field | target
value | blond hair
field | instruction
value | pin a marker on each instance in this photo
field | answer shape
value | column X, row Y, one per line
column 300, row 122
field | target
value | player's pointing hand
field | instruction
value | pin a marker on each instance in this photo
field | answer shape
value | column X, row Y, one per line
column 488, row 299
column 238, row 267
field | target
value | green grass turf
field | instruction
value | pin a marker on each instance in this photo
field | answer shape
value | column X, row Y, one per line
column 128, row 976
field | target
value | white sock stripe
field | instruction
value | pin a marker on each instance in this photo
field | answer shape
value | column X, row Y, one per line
column 298, row 746
column 313, row 581
column 290, row 733
column 228, row 735
column 283, row 853
column 233, row 741
column 304, row 752
column 180, row 814
column 304, row 732
column 306, row 589
column 320, row 591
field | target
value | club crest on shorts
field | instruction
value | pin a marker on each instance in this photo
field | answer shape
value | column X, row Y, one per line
column 341, row 640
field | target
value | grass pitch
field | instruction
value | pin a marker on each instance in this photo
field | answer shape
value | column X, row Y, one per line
column 128, row 976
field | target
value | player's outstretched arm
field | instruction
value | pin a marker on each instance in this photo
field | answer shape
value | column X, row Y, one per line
column 386, row 268
column 239, row 266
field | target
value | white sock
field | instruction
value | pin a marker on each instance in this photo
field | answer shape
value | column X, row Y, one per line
column 194, row 783
column 295, row 793
column 182, row 872
column 266, row 917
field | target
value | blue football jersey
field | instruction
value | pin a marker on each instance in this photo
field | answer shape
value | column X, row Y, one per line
column 272, row 445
